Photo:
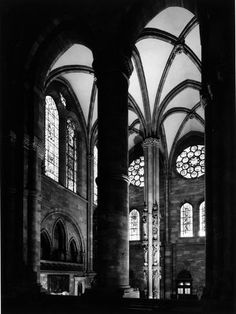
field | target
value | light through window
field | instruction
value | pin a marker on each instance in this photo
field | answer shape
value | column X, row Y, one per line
column 51, row 139
column 71, row 156
column 202, row 225
column 186, row 220
column 136, row 172
column 184, row 287
column 191, row 162
column 134, row 225
column 63, row 101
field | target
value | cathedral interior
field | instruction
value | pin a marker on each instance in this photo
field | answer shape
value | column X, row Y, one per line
column 118, row 124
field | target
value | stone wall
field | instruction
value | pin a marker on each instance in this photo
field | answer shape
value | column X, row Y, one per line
column 184, row 253
column 58, row 201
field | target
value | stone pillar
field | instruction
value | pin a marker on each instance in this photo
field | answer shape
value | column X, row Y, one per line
column 218, row 93
column 11, row 246
column 112, row 72
column 35, row 153
column 151, row 159
column 90, row 213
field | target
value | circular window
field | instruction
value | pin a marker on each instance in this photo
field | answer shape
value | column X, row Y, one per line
column 190, row 163
column 136, row 172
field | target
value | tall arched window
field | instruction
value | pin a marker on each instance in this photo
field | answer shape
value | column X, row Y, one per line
column 59, row 242
column 71, row 156
column 51, row 139
column 45, row 246
column 186, row 220
column 95, row 173
column 134, row 225
column 202, row 225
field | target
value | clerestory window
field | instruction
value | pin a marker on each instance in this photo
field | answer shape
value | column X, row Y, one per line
column 136, row 172
column 191, row 162
column 71, row 156
column 51, row 139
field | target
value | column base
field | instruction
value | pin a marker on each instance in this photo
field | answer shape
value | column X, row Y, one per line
column 131, row 293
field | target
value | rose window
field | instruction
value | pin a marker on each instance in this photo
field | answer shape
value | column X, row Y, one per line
column 136, row 172
column 191, row 162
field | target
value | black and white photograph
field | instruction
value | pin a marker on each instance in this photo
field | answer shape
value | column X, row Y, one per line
column 118, row 156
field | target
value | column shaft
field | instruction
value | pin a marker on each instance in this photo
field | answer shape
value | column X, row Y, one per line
column 218, row 93
column 113, row 245
column 151, row 159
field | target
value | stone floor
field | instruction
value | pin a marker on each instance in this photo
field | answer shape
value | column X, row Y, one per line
column 76, row 305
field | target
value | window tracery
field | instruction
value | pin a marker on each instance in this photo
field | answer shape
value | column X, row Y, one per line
column 134, row 225
column 51, row 139
column 191, row 162
column 136, row 172
column 186, row 220
column 71, row 156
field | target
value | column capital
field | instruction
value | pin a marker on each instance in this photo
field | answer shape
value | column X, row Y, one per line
column 150, row 141
column 105, row 62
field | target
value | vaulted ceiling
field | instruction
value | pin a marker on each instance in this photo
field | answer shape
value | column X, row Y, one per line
column 164, row 90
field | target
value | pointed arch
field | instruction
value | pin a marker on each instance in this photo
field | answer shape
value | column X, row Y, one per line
column 73, row 251
column 45, row 245
column 59, row 241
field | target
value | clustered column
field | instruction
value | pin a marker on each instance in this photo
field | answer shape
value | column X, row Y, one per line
column 151, row 218
column 112, row 73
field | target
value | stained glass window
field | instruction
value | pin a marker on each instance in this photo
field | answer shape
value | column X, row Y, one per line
column 95, row 173
column 202, row 231
column 136, row 172
column 71, row 156
column 134, row 225
column 63, row 101
column 191, row 162
column 51, row 139
column 186, row 220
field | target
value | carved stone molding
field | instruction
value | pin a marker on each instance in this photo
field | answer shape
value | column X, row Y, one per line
column 150, row 141
column 179, row 47
column 144, row 225
column 145, row 251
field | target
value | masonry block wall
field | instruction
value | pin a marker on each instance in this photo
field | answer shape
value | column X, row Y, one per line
column 59, row 200
column 184, row 253
column 59, row 203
